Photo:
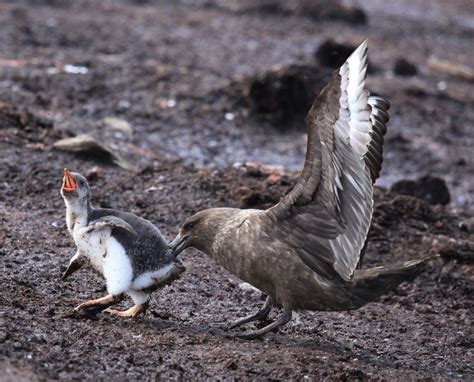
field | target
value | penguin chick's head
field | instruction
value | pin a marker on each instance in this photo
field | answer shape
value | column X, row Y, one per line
column 75, row 187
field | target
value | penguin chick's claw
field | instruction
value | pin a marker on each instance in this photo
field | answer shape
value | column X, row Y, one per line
column 129, row 313
column 111, row 222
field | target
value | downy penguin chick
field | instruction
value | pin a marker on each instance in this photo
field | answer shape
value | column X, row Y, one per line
column 130, row 252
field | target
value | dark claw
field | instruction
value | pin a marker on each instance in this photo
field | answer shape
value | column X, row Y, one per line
column 223, row 330
column 82, row 313
column 282, row 320
column 247, row 336
column 216, row 328
column 92, row 310
column 225, row 326
column 70, row 313
column 87, row 312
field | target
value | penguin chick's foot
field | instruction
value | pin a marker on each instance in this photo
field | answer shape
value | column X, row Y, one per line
column 93, row 307
column 129, row 313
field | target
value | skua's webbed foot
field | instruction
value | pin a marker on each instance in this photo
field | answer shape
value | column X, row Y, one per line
column 259, row 315
column 282, row 320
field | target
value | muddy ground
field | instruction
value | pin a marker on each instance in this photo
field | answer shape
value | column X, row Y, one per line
column 175, row 71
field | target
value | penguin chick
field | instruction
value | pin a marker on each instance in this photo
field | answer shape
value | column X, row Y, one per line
column 130, row 252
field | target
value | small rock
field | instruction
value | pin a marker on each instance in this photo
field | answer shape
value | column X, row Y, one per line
column 331, row 10
column 404, row 68
column 351, row 15
column 231, row 365
column 273, row 178
column 252, row 200
column 20, row 118
column 86, row 145
column 94, row 173
column 264, row 168
column 463, row 252
column 124, row 104
column 167, row 103
column 398, row 139
column 462, row 225
column 416, row 91
column 253, row 171
column 314, row 9
column 118, row 124
column 244, row 191
column 354, row 375
column 425, row 308
column 280, row 93
column 333, row 54
column 432, row 189
column 257, row 200
column 229, row 116
column 75, row 69
column 130, row 359
column 36, row 146
column 285, row 94
column 442, row 85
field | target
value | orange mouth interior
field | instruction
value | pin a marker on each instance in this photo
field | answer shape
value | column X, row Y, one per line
column 69, row 183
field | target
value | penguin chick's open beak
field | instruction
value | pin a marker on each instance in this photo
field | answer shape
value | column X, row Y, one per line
column 69, row 183
column 178, row 244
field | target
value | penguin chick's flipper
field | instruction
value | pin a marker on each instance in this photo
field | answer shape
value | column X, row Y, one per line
column 92, row 307
column 76, row 263
column 111, row 222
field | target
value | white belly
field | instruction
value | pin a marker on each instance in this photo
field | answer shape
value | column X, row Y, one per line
column 93, row 245
column 108, row 256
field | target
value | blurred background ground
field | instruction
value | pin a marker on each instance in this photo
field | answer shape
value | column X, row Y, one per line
column 182, row 90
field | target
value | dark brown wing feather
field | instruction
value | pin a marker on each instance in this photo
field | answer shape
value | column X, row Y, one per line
column 327, row 215
column 379, row 118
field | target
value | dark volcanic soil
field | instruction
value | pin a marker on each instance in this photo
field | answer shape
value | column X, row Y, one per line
column 169, row 68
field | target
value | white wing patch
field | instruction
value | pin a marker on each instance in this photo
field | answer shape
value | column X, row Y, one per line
column 353, row 74
column 353, row 183
column 148, row 279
